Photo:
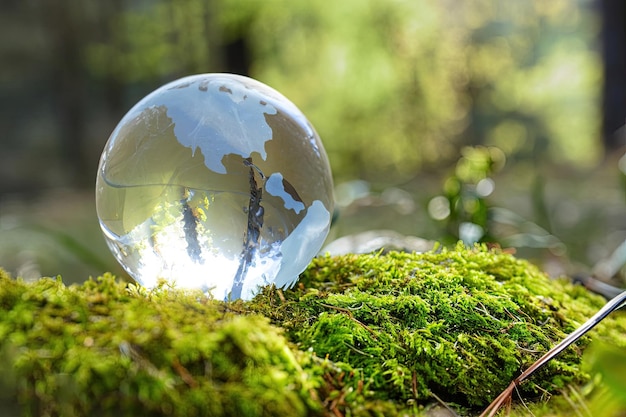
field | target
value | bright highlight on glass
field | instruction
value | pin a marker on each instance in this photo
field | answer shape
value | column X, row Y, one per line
column 216, row 182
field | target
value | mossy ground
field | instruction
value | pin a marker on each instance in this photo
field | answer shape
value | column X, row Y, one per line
column 359, row 335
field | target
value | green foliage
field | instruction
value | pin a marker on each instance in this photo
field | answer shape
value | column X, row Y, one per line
column 464, row 205
column 610, row 362
column 465, row 209
column 360, row 335
column 149, row 42
column 392, row 86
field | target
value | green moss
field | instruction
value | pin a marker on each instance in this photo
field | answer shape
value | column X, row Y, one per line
column 359, row 335
column 104, row 349
column 458, row 324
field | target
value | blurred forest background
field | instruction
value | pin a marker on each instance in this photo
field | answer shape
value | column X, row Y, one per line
column 483, row 120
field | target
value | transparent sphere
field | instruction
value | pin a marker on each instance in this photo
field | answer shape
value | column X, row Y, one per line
column 216, row 182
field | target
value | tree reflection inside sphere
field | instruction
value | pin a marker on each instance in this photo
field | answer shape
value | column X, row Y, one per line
column 216, row 182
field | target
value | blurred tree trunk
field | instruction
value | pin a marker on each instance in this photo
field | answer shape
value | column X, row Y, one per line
column 113, row 86
column 65, row 24
column 614, row 56
column 71, row 27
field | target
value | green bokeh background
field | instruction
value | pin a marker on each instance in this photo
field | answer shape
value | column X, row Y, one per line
column 397, row 90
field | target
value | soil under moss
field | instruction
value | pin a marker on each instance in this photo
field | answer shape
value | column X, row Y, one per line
column 359, row 335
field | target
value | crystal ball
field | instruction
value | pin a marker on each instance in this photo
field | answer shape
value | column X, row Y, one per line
column 215, row 182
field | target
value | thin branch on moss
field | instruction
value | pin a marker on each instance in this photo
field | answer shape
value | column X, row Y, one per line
column 443, row 404
column 184, row 374
column 505, row 396
column 351, row 317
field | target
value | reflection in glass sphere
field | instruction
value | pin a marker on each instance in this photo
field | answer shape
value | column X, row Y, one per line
column 217, row 182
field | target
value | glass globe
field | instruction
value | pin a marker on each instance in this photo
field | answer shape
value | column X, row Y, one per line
column 216, row 182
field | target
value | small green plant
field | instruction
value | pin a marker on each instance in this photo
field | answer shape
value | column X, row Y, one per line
column 463, row 207
column 466, row 211
column 610, row 362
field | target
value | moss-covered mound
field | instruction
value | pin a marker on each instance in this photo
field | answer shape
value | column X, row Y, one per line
column 358, row 336
column 454, row 325
column 100, row 349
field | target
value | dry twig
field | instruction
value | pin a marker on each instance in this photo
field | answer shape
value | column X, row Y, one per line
column 505, row 396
